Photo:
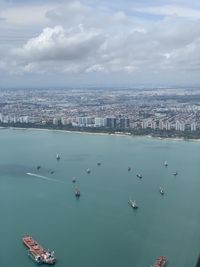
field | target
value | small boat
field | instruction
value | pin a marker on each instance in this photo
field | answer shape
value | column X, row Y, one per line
column 129, row 169
column 57, row 157
column 88, row 170
column 52, row 172
column 165, row 163
column 139, row 175
column 175, row 173
column 132, row 204
column 160, row 262
column 74, row 180
column 38, row 167
column 98, row 163
column 161, row 191
column 77, row 193
column 36, row 258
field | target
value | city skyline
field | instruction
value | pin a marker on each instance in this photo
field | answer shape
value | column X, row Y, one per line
column 86, row 43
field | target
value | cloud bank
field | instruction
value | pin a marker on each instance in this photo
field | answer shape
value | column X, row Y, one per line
column 90, row 38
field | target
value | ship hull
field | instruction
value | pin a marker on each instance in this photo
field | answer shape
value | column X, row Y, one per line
column 35, row 248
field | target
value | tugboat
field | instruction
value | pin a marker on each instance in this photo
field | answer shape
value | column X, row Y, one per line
column 139, row 175
column 57, row 157
column 165, row 163
column 88, row 170
column 161, row 191
column 132, row 204
column 129, row 169
column 175, row 173
column 37, row 253
column 74, row 180
column 160, row 262
column 77, row 193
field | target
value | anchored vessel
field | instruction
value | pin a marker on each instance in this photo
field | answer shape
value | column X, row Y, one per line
column 165, row 163
column 37, row 253
column 36, row 258
column 77, row 192
column 132, row 204
column 161, row 191
column 139, row 175
column 160, row 262
column 88, row 170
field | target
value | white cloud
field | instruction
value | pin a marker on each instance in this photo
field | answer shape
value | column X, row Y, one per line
column 58, row 44
column 27, row 15
column 95, row 40
column 95, row 68
column 171, row 10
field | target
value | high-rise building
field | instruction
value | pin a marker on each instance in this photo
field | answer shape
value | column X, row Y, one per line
column 85, row 121
column 111, row 122
column 193, row 126
column 100, row 122
column 123, row 123
column 55, row 121
column 180, row 126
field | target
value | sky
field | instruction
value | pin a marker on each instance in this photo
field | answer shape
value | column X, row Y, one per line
column 122, row 43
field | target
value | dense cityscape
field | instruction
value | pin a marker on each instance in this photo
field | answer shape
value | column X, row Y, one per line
column 168, row 112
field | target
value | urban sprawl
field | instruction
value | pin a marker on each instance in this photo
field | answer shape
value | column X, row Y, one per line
column 168, row 112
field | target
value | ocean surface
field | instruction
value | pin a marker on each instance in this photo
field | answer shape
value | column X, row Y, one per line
column 100, row 229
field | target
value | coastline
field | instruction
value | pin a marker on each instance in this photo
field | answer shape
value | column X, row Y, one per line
column 105, row 134
column 67, row 131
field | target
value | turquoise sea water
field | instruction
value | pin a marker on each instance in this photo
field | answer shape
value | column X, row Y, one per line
column 100, row 229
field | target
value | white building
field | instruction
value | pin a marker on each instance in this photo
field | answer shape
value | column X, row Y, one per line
column 100, row 122
column 85, row 121
column 180, row 126
column 193, row 126
column 55, row 121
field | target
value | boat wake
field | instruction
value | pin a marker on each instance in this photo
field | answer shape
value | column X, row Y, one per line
column 44, row 177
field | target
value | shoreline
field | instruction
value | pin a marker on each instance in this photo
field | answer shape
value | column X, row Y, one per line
column 105, row 134
column 67, row 131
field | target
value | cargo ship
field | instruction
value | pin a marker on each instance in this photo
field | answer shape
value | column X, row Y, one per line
column 160, row 262
column 37, row 252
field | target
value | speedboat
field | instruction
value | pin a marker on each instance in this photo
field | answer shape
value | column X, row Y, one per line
column 129, row 169
column 165, row 163
column 175, row 173
column 57, row 157
column 74, row 180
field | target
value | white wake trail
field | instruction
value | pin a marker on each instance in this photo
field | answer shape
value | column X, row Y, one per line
column 44, row 178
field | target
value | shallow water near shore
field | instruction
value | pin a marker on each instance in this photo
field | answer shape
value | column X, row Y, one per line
column 100, row 229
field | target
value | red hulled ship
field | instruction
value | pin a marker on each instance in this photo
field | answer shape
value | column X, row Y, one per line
column 160, row 262
column 37, row 252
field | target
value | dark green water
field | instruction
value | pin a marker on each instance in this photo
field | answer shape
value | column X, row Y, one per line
column 100, row 229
